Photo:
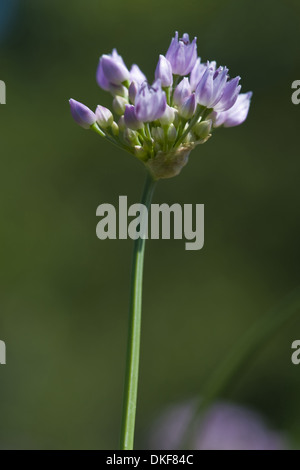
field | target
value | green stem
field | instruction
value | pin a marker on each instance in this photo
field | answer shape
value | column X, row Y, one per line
column 111, row 139
column 167, row 90
column 175, row 83
column 134, row 331
column 190, row 126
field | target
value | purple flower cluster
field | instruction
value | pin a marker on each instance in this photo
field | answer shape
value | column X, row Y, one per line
column 164, row 121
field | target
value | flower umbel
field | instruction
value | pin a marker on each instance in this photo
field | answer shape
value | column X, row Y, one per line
column 160, row 124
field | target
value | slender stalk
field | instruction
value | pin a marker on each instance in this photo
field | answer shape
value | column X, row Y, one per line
column 175, row 83
column 190, row 126
column 134, row 330
column 168, row 94
column 111, row 139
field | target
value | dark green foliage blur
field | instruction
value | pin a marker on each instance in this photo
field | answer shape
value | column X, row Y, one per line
column 64, row 293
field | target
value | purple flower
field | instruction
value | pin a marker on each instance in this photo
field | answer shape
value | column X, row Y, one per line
column 82, row 114
column 229, row 95
column 137, row 75
column 130, row 118
column 164, row 72
column 198, row 72
column 234, row 116
column 150, row 102
column 137, row 78
column 187, row 109
column 182, row 92
column 182, row 54
column 101, row 79
column 111, row 70
column 213, row 90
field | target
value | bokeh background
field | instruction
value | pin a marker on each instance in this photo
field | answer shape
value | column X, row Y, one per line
column 64, row 293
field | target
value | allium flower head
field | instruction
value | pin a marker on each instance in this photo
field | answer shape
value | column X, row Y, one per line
column 161, row 123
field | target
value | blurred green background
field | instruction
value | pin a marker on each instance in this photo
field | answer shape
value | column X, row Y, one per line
column 64, row 293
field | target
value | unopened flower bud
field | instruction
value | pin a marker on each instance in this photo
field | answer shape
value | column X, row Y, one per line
column 158, row 134
column 82, row 114
column 140, row 152
column 114, row 69
column 132, row 91
column 104, row 117
column 168, row 117
column 121, row 123
column 119, row 104
column 202, row 129
column 130, row 118
column 118, row 90
column 150, row 102
column 115, row 129
column 164, row 72
column 187, row 109
column 172, row 133
column 131, row 137
column 182, row 92
column 177, row 118
column 189, row 138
